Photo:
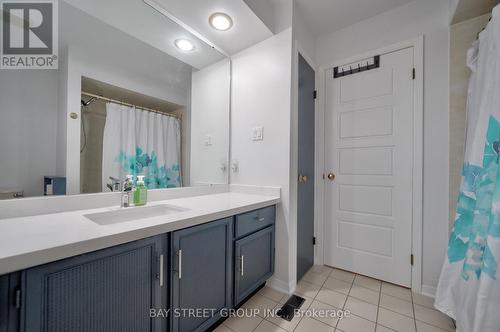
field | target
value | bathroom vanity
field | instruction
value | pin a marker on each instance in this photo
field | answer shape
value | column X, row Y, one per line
column 211, row 254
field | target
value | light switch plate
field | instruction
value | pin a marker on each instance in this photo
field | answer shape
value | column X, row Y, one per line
column 258, row 134
column 208, row 140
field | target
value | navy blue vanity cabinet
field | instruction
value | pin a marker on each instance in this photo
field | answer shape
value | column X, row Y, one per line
column 254, row 251
column 9, row 302
column 201, row 274
column 108, row 290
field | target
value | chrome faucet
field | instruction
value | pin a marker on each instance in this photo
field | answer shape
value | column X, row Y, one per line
column 113, row 184
column 126, row 192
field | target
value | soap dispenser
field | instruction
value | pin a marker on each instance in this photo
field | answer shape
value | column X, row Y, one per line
column 141, row 192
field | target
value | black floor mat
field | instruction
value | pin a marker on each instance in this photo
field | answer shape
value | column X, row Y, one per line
column 288, row 310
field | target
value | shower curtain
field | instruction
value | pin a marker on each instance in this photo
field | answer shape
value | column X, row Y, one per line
column 469, row 289
column 139, row 142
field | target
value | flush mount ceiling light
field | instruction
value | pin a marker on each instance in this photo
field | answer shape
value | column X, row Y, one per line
column 184, row 45
column 220, row 21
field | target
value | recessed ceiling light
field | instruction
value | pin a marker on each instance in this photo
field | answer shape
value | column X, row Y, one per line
column 184, row 45
column 220, row 21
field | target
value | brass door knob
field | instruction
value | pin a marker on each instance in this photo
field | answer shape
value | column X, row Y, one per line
column 331, row 176
column 302, row 178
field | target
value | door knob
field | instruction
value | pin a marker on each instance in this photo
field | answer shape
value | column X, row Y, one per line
column 331, row 176
column 302, row 178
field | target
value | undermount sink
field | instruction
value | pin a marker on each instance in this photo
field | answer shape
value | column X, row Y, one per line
column 133, row 213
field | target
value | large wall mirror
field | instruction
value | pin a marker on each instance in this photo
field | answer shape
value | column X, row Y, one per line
column 134, row 94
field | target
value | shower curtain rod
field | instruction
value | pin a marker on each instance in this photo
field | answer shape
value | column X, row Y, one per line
column 130, row 105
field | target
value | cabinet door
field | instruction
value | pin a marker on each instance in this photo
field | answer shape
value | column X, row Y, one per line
column 108, row 290
column 201, row 275
column 254, row 262
column 9, row 302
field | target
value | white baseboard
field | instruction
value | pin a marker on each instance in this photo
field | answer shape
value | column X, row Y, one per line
column 280, row 286
column 429, row 291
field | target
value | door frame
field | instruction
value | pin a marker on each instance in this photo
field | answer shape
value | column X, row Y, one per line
column 417, row 176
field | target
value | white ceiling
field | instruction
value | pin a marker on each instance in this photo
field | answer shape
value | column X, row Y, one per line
column 247, row 30
column 139, row 20
column 323, row 16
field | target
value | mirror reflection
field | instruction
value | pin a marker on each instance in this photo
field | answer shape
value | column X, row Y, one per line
column 133, row 95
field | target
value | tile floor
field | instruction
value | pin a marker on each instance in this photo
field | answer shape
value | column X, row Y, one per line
column 374, row 306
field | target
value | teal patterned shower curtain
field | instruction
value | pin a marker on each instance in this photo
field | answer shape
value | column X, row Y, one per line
column 138, row 142
column 469, row 289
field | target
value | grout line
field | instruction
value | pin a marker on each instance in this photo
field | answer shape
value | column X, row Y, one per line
column 378, row 306
column 347, row 297
column 413, row 307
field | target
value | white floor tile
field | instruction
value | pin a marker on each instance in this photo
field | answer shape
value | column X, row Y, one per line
column 381, row 328
column 423, row 300
column 337, row 285
column 261, row 304
column 309, row 324
column 361, row 308
column 324, row 313
column 223, row 328
column 423, row 327
column 332, row 298
column 395, row 321
column 354, row 323
column 395, row 304
column 364, row 294
column 314, row 278
column 433, row 317
column 243, row 324
column 321, row 269
column 342, row 275
column 266, row 326
column 307, row 289
column 271, row 294
column 396, row 291
column 367, row 282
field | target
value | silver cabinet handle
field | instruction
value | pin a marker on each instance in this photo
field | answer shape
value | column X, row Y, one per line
column 180, row 263
column 161, row 270
column 242, row 263
column 259, row 218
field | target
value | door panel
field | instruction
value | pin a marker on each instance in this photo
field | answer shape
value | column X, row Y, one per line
column 202, row 259
column 305, row 195
column 369, row 142
column 254, row 262
column 109, row 290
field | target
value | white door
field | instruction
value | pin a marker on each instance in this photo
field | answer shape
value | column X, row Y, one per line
column 369, row 149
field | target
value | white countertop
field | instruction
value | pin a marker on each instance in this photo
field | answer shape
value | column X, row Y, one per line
column 30, row 241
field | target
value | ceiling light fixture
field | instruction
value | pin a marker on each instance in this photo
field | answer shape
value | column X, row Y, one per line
column 184, row 45
column 220, row 21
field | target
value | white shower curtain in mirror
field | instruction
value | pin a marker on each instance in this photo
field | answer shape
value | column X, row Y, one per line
column 138, row 142
column 469, row 287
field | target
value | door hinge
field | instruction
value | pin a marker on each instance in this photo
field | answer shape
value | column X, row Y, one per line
column 414, row 73
column 18, row 299
column 315, row 94
column 314, row 240
column 411, row 259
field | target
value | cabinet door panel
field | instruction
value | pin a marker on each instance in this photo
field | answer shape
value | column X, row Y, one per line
column 9, row 311
column 109, row 290
column 254, row 261
column 201, row 275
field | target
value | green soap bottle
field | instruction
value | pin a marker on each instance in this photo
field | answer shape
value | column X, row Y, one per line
column 141, row 192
